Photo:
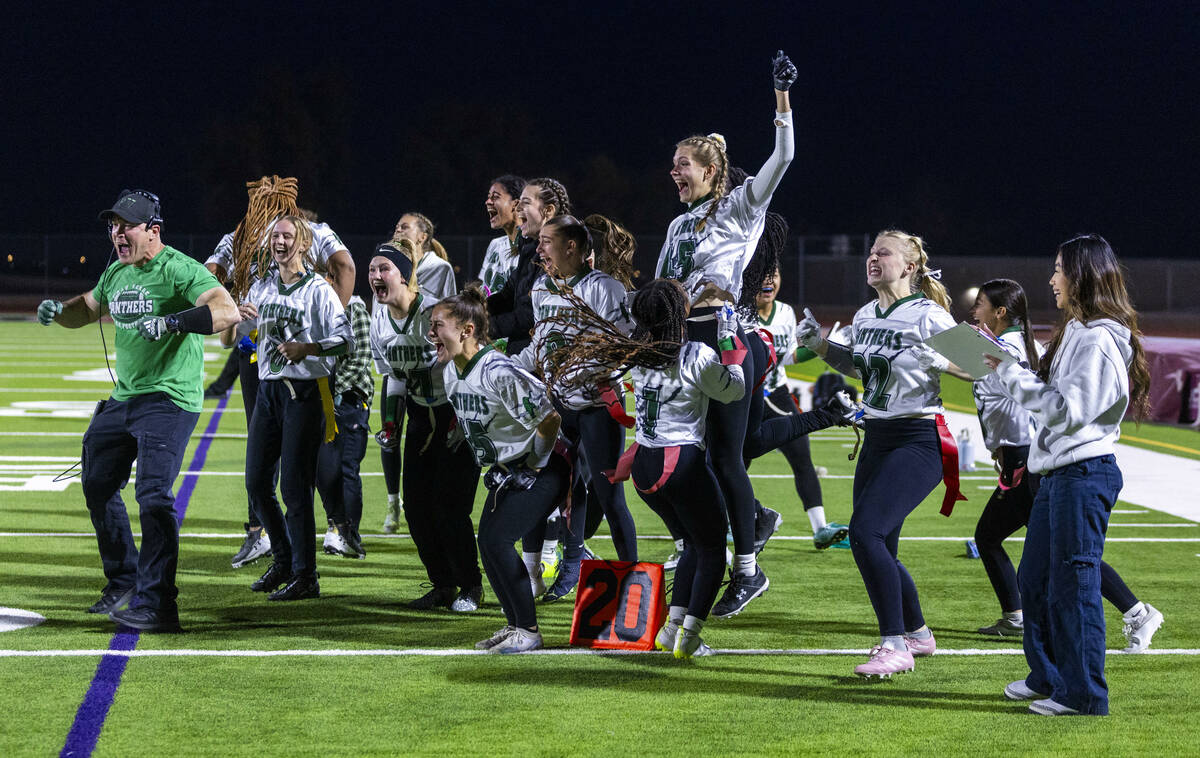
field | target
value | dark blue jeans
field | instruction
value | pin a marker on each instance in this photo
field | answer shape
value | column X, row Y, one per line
column 1059, row 578
column 153, row 431
column 338, row 462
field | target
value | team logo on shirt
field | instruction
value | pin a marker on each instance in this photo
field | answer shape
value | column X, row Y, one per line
column 280, row 323
column 130, row 306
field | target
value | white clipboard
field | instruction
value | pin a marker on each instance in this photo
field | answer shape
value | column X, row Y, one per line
column 963, row 346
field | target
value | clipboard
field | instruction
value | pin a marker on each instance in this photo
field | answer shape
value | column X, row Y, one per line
column 963, row 346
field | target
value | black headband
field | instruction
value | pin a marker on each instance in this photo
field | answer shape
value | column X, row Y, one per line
column 398, row 258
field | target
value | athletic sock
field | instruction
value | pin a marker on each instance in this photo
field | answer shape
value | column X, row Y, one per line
column 394, row 500
column 745, row 565
column 1017, row 617
column 816, row 517
column 923, row 633
column 679, row 546
column 692, row 624
column 895, row 642
column 548, row 548
column 675, row 614
column 533, row 563
column 1137, row 610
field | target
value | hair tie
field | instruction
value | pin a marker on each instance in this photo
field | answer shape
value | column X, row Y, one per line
column 719, row 139
column 934, row 273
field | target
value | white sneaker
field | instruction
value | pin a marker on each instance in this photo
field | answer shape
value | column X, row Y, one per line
column 1139, row 631
column 672, row 561
column 1048, row 707
column 536, row 583
column 334, row 543
column 665, row 639
column 1018, row 690
column 519, row 641
column 689, row 645
column 391, row 521
column 491, row 642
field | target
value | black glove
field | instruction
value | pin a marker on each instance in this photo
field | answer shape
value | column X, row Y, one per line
column 843, row 409
column 783, row 71
column 518, row 478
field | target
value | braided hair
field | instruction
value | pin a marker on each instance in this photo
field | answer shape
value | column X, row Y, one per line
column 271, row 197
column 710, row 151
column 764, row 263
column 552, row 192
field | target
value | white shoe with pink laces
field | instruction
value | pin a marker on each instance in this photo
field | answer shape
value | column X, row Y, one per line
column 884, row 662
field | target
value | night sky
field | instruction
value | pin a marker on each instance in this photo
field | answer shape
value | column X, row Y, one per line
column 988, row 129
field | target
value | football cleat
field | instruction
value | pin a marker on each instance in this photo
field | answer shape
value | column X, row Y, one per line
column 884, row 662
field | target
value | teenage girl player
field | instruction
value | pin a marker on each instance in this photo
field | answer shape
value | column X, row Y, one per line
column 500, row 259
column 440, row 479
column 1094, row 369
column 508, row 422
column 1008, row 428
column 706, row 250
column 901, row 458
column 302, row 327
column 436, row 275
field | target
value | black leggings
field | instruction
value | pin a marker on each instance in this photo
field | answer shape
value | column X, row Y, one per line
column 439, row 493
column 598, row 440
column 391, row 459
column 508, row 518
column 726, row 436
column 248, row 379
column 1006, row 512
column 779, row 405
column 689, row 503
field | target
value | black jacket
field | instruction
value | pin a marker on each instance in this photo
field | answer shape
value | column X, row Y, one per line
column 510, row 311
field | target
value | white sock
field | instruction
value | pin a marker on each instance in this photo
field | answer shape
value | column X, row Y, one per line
column 923, row 633
column 394, row 499
column 675, row 614
column 1135, row 611
column 1017, row 617
column 894, row 643
column 548, row 547
column 679, row 546
column 692, row 625
column 745, row 565
column 533, row 563
column 816, row 517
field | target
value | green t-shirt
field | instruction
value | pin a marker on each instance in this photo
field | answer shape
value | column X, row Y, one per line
column 170, row 282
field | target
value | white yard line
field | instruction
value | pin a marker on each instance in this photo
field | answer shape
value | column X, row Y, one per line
column 660, row 537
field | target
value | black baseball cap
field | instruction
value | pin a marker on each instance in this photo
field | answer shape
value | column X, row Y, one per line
column 138, row 206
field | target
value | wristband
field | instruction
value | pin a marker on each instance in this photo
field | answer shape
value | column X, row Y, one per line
column 196, row 320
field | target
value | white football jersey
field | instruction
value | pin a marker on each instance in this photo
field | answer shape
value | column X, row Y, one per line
column 717, row 253
column 672, row 402
column 781, row 323
column 305, row 311
column 499, row 262
column 401, row 351
column 1004, row 423
column 499, row 406
column 603, row 294
column 435, row 277
column 894, row 386
column 325, row 243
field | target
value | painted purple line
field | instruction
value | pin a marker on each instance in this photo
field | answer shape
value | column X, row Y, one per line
column 89, row 719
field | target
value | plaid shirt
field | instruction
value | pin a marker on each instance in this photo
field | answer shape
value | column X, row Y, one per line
column 354, row 369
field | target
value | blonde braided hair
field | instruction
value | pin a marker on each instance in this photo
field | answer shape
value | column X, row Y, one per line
column 710, row 151
column 271, row 198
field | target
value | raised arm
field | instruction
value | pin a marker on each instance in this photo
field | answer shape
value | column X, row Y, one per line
column 767, row 179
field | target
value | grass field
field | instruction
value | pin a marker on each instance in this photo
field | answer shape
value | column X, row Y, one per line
column 355, row 672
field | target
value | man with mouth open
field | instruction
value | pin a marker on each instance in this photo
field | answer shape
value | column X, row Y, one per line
column 161, row 302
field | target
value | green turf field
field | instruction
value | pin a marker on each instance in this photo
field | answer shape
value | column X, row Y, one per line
column 353, row 676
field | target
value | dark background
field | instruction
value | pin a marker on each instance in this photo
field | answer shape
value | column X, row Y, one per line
column 988, row 129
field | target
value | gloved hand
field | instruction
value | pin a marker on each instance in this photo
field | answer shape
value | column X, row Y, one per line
column 387, row 437
column 152, row 328
column 727, row 325
column 48, row 310
column 929, row 359
column 808, row 331
column 848, row 412
column 783, row 71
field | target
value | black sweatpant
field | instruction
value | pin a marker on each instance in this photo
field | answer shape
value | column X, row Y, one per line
column 1006, row 512
column 285, row 436
column 508, row 518
column 598, row 441
column 687, row 499
column 439, row 493
column 797, row 451
column 248, row 380
column 391, row 460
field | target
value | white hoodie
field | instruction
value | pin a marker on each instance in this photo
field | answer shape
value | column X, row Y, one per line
column 1078, row 412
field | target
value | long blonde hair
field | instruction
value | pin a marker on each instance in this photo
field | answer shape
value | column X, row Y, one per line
column 923, row 279
column 710, row 151
column 426, row 226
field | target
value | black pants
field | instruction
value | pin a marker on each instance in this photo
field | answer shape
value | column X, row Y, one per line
column 687, row 499
column 229, row 373
column 439, row 493
column 286, row 435
column 1006, row 512
column 598, row 441
column 726, row 436
column 338, row 462
column 154, row 431
column 391, row 459
column 797, row 451
column 508, row 518
column 248, row 379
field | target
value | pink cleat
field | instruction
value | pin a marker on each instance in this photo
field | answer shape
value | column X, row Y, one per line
column 921, row 648
column 884, row 662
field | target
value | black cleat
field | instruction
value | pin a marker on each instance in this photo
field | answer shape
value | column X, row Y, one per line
column 112, row 600
column 274, row 576
column 301, row 587
column 438, row 597
column 147, row 619
column 765, row 525
column 739, row 592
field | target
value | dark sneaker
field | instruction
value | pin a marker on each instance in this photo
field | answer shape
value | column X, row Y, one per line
column 301, row 587
column 438, row 597
column 468, row 600
column 147, row 619
column 1003, row 628
column 766, row 524
column 256, row 545
column 739, row 592
column 564, row 584
column 275, row 575
column 112, row 600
